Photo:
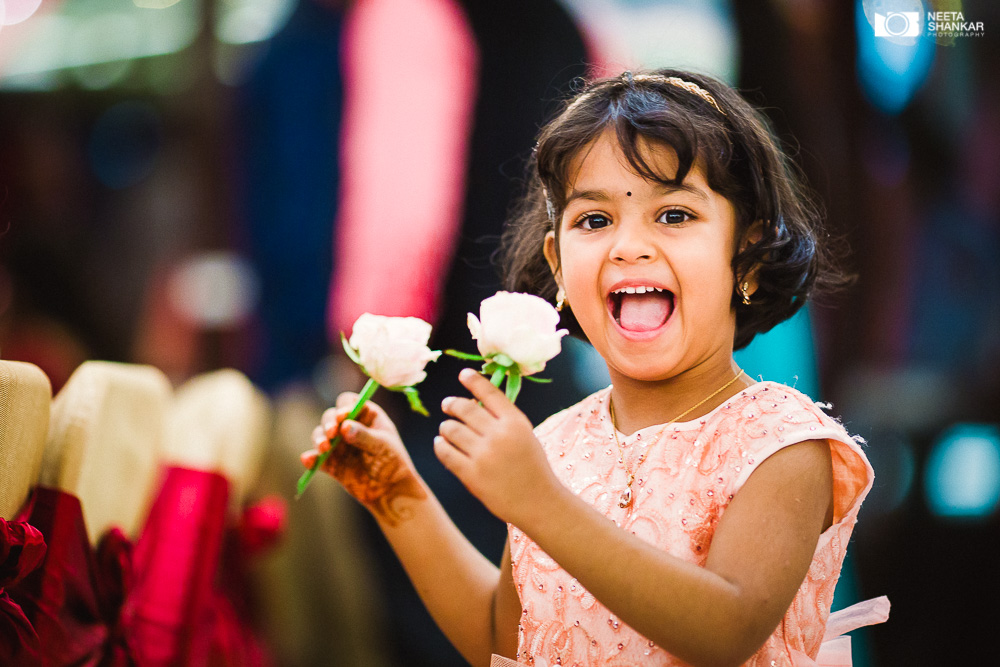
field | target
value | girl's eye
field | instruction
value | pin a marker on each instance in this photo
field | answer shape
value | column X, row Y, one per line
column 674, row 216
column 593, row 221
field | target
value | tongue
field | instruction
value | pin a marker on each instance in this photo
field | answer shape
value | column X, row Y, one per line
column 644, row 312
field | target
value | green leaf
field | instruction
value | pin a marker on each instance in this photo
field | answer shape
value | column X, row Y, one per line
column 414, row 399
column 498, row 376
column 489, row 368
column 513, row 385
column 351, row 352
column 532, row 378
column 463, row 355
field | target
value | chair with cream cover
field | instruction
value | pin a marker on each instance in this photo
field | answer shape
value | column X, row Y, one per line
column 105, row 434
column 25, row 398
column 219, row 421
column 180, row 609
column 25, row 401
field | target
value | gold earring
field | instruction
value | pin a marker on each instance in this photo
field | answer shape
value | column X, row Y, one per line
column 745, row 293
column 560, row 300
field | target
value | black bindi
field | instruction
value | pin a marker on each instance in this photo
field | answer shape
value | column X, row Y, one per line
column 628, row 194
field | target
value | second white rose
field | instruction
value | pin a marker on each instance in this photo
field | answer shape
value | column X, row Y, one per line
column 521, row 326
column 393, row 350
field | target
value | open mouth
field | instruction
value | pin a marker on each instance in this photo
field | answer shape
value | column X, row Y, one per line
column 641, row 308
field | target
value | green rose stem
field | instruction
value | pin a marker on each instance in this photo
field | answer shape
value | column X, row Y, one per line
column 498, row 367
column 307, row 476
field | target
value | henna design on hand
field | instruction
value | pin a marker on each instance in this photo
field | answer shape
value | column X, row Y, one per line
column 377, row 480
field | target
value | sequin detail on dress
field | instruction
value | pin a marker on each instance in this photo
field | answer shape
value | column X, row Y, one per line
column 691, row 473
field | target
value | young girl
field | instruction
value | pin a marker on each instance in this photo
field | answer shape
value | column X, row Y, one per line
column 686, row 514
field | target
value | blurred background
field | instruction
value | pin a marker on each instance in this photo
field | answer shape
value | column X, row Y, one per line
column 199, row 184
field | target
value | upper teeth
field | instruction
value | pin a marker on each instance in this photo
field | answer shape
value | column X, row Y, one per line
column 637, row 290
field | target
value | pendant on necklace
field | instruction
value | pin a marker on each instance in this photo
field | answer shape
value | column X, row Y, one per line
column 626, row 498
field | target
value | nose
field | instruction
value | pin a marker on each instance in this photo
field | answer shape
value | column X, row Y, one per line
column 631, row 244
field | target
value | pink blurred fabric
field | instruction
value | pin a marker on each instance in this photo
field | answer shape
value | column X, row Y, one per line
column 176, row 613
column 410, row 71
column 262, row 525
column 176, row 557
column 692, row 471
column 22, row 549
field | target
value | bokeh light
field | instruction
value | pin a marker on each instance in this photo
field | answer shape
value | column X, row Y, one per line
column 246, row 21
column 15, row 11
column 95, row 44
column 590, row 373
column 890, row 70
column 962, row 477
column 154, row 4
column 214, row 290
column 695, row 34
column 784, row 354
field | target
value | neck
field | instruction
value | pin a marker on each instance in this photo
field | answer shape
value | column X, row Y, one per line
column 642, row 403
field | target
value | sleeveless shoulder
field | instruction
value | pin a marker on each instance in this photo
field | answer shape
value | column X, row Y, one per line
column 756, row 423
column 769, row 416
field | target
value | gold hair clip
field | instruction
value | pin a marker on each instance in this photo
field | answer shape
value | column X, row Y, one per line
column 689, row 86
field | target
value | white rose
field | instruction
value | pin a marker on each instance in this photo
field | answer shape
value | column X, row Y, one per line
column 521, row 326
column 393, row 350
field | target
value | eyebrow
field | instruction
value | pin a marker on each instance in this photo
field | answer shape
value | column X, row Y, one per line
column 602, row 195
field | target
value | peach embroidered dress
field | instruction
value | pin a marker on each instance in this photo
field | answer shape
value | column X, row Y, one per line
column 691, row 472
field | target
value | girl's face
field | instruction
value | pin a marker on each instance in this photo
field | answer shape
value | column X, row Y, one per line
column 647, row 268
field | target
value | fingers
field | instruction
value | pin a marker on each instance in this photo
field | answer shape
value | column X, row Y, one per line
column 346, row 400
column 492, row 398
column 469, row 412
column 320, row 440
column 331, row 419
column 334, row 417
column 372, row 414
column 309, row 457
column 370, row 411
column 459, row 435
column 450, row 457
column 362, row 437
column 321, row 444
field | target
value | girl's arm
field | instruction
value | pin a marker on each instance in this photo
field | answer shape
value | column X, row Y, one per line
column 460, row 587
column 456, row 583
column 719, row 614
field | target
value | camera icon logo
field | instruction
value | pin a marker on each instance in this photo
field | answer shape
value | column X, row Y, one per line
column 897, row 24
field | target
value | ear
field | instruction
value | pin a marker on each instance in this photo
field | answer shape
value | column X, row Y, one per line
column 551, row 252
column 753, row 234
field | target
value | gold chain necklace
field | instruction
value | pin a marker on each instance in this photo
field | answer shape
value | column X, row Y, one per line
column 625, row 500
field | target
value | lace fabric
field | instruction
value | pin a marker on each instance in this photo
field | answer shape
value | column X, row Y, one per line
column 691, row 473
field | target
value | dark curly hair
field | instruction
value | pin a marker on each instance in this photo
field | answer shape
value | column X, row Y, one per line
column 742, row 161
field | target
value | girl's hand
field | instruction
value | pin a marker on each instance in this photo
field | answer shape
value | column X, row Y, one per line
column 370, row 462
column 492, row 449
